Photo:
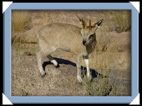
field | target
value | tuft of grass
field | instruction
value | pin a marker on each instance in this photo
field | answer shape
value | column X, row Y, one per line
column 19, row 49
column 122, row 20
column 21, row 21
column 100, row 86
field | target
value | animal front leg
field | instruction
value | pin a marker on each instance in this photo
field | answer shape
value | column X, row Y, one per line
column 86, row 60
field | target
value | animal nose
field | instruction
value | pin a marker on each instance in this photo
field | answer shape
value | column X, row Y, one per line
column 84, row 42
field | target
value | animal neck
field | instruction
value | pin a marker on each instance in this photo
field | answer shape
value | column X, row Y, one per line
column 90, row 47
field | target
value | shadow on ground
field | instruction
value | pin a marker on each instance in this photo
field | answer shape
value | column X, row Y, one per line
column 94, row 73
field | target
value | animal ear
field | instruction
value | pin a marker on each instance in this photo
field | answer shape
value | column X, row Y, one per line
column 82, row 22
column 98, row 24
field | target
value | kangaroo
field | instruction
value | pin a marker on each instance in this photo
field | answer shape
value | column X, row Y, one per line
column 80, row 41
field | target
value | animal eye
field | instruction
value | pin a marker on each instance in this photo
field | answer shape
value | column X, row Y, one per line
column 91, row 36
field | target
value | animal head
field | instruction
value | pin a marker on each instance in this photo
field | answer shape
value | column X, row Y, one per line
column 89, row 31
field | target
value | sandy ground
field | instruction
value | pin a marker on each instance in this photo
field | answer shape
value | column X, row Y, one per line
column 62, row 81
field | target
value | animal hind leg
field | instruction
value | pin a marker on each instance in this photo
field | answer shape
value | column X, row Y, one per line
column 53, row 61
column 78, row 70
column 39, row 57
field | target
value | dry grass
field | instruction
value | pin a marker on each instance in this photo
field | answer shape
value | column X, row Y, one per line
column 19, row 49
column 98, row 87
column 114, row 20
column 122, row 20
column 21, row 21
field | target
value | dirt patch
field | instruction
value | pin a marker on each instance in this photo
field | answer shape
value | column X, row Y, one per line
column 62, row 81
column 26, row 79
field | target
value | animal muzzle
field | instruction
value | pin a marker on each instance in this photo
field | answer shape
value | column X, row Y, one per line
column 84, row 42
